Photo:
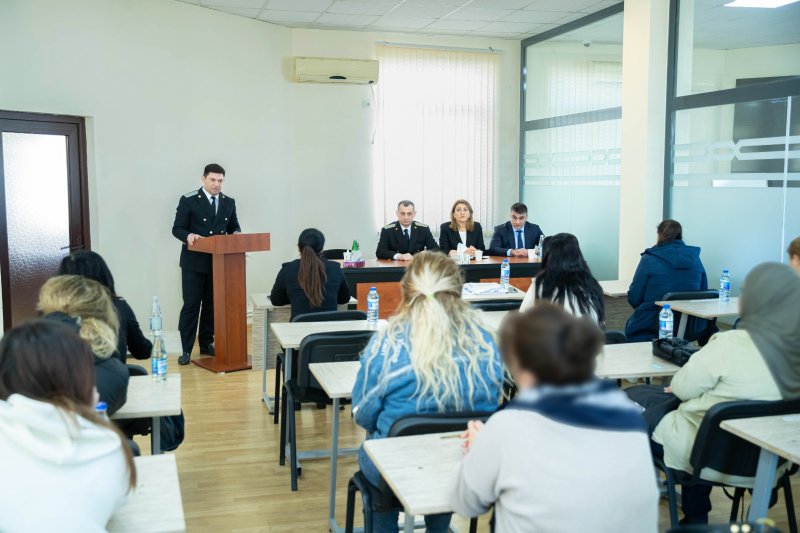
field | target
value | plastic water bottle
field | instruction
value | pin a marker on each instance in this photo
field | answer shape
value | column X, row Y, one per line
column 158, row 356
column 505, row 274
column 725, row 287
column 102, row 410
column 373, row 301
column 665, row 323
column 540, row 247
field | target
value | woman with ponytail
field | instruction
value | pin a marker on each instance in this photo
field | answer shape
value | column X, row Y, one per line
column 310, row 284
column 434, row 356
column 87, row 303
column 540, row 458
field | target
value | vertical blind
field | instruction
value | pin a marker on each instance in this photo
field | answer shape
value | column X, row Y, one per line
column 435, row 136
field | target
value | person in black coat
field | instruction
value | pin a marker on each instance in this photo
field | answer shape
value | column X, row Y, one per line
column 205, row 212
column 461, row 229
column 91, row 265
column 517, row 236
column 405, row 237
column 310, row 284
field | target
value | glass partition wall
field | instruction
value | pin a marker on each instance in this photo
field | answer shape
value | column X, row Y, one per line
column 570, row 139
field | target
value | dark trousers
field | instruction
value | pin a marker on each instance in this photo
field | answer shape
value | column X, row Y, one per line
column 198, row 302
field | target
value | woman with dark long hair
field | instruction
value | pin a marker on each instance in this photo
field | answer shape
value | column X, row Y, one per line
column 64, row 467
column 566, row 280
column 91, row 265
column 669, row 266
column 310, row 284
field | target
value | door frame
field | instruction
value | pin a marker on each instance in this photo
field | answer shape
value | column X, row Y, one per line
column 77, row 178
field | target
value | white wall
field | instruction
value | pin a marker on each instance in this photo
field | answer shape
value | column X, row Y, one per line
column 168, row 87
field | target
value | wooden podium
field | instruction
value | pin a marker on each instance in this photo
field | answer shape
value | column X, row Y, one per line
column 230, row 304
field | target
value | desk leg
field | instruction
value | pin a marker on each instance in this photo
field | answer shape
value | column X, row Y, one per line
column 334, row 457
column 408, row 526
column 265, row 349
column 155, row 436
column 287, row 373
column 765, row 480
column 682, row 325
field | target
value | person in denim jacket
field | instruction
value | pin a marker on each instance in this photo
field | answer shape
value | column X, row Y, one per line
column 434, row 356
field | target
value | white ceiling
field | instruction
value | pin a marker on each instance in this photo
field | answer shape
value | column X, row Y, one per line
column 506, row 19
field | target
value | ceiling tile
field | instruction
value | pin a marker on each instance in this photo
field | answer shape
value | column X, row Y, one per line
column 561, row 5
column 300, row 17
column 594, row 8
column 431, row 12
column 538, row 17
column 401, row 22
column 510, row 27
column 360, row 8
column 502, row 4
column 450, row 3
column 248, row 12
column 339, row 19
column 501, row 35
column 463, row 25
column 298, row 5
column 254, row 4
column 479, row 13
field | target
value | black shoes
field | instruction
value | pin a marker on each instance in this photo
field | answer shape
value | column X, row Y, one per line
column 208, row 350
column 184, row 359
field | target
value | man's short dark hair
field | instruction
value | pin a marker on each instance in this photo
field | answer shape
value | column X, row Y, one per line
column 520, row 208
column 406, row 203
column 213, row 168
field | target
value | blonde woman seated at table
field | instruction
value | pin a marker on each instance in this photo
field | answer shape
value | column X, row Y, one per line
column 434, row 356
column 64, row 468
column 794, row 254
column 461, row 229
column 566, row 280
column 758, row 361
column 541, row 460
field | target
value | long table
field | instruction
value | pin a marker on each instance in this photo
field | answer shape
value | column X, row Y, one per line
column 707, row 309
column 150, row 399
column 385, row 275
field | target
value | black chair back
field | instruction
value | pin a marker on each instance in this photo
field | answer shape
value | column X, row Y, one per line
column 725, row 452
column 331, row 347
column 422, row 424
column 333, row 253
column 330, row 316
column 497, row 305
column 698, row 329
column 615, row 337
column 722, row 528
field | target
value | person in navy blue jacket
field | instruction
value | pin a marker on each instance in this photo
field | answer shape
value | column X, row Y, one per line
column 517, row 236
column 669, row 266
column 310, row 284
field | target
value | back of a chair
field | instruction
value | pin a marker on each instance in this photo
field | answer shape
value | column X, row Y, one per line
column 690, row 295
column 725, row 452
column 330, row 316
column 615, row 337
column 331, row 347
column 497, row 305
column 334, row 253
column 698, row 329
column 722, row 528
column 422, row 424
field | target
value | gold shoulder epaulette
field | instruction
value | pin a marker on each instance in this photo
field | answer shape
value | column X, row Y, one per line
column 389, row 226
column 421, row 225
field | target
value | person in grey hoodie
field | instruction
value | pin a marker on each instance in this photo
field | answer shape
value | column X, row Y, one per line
column 669, row 266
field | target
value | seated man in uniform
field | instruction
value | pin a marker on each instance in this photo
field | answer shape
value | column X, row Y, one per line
column 517, row 236
column 401, row 239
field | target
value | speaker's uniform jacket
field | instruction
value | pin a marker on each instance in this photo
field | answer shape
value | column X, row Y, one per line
column 393, row 241
column 195, row 215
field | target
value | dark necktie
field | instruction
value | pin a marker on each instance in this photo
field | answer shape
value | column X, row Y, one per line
column 214, row 205
column 519, row 239
column 407, row 236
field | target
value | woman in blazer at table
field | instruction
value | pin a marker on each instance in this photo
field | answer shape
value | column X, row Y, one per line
column 539, row 459
column 434, row 356
column 310, row 284
column 64, row 468
column 461, row 229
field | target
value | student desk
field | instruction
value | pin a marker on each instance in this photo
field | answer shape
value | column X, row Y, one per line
column 632, row 360
column 615, row 288
column 707, row 309
column 385, row 275
column 778, row 436
column 148, row 399
column 337, row 380
column 265, row 348
column 155, row 505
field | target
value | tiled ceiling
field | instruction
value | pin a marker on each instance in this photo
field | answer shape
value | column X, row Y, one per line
column 506, row 19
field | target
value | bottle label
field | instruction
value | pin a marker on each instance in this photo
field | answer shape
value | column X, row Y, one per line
column 162, row 366
column 725, row 285
column 155, row 323
column 372, row 305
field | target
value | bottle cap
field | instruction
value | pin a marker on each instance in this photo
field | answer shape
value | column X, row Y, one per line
column 667, row 306
column 373, row 289
column 101, row 406
column 505, row 260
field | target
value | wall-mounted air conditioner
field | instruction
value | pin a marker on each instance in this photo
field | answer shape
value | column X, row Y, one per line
column 333, row 70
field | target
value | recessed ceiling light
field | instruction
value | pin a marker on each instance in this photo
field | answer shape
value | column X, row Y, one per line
column 760, row 3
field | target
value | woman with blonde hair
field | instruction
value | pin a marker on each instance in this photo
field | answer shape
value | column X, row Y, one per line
column 89, row 304
column 66, row 468
column 434, row 356
column 461, row 229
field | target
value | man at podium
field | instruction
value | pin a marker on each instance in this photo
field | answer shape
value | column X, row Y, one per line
column 201, row 213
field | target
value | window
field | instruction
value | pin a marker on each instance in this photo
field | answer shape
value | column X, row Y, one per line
column 435, row 136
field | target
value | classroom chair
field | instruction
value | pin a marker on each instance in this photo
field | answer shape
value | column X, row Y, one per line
column 497, row 305
column 697, row 329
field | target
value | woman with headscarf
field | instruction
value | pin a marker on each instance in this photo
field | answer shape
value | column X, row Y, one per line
column 758, row 361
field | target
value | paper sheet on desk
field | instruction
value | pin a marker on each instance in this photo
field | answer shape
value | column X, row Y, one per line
column 484, row 288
